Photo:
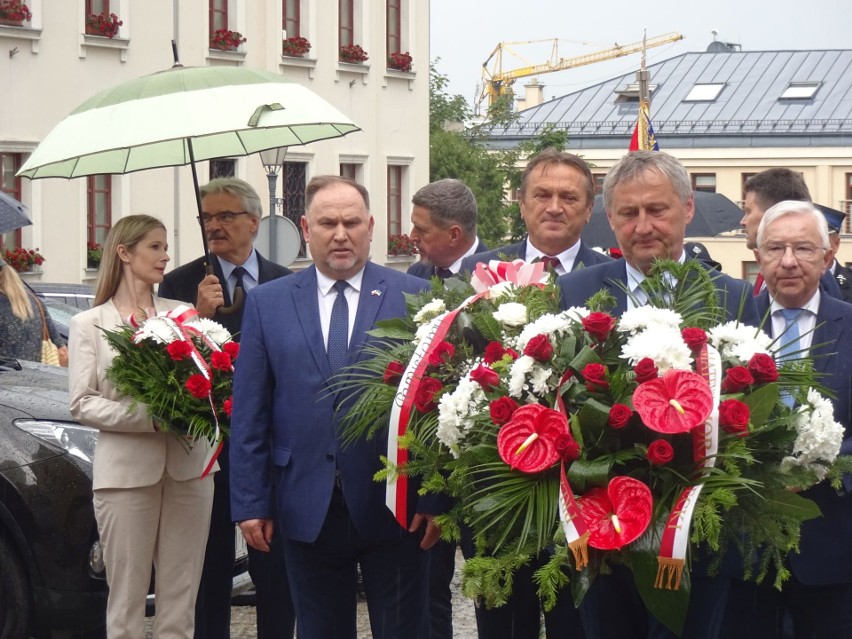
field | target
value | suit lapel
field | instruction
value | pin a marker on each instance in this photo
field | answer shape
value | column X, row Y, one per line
column 373, row 295
column 617, row 272
column 307, row 310
column 826, row 336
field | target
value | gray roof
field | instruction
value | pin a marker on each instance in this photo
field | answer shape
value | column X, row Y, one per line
column 746, row 112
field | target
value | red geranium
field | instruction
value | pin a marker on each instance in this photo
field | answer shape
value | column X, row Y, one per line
column 528, row 441
column 646, row 370
column 598, row 325
column 393, row 372
column 221, row 361
column 424, row 399
column 198, row 386
column 539, row 348
column 443, row 352
column 618, row 514
column 501, row 410
column 737, row 380
column 762, row 368
column 734, row 416
column 485, row 376
column 179, row 350
column 677, row 402
column 619, row 415
column 660, row 452
column 694, row 338
column 596, row 377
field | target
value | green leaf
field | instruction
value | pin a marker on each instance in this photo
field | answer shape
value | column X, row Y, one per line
column 584, row 474
column 669, row 606
column 761, row 402
column 792, row 504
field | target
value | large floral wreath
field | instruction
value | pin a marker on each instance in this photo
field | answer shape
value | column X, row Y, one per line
column 597, row 439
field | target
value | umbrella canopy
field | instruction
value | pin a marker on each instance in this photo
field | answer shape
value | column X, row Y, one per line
column 161, row 119
column 13, row 214
column 714, row 214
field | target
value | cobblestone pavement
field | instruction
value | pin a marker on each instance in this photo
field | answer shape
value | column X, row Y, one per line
column 464, row 622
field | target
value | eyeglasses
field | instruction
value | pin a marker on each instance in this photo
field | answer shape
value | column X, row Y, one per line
column 223, row 218
column 802, row 252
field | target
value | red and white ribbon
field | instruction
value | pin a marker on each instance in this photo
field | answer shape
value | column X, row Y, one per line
column 517, row 272
column 675, row 540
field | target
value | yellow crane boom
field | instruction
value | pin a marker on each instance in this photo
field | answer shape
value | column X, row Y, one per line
column 497, row 83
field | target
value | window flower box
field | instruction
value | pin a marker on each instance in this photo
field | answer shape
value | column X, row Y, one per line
column 296, row 47
column 24, row 260
column 101, row 24
column 13, row 13
column 400, row 61
column 226, row 40
column 94, row 254
column 401, row 245
column 353, row 53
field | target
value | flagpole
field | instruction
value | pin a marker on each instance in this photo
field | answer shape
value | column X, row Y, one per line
column 642, row 78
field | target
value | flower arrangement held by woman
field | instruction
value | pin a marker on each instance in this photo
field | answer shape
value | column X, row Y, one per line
column 150, row 505
column 21, row 325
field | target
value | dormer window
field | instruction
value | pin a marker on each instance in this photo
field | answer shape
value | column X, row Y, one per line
column 800, row 91
column 704, row 92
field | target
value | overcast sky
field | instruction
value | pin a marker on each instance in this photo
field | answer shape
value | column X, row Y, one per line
column 465, row 32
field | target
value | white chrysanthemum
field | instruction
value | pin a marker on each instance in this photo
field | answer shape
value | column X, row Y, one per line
column 819, row 436
column 540, row 379
column 454, row 413
column 501, row 289
column 518, row 375
column 212, row 330
column 430, row 310
column 511, row 314
column 664, row 345
column 157, row 329
column 548, row 324
column 576, row 313
column 422, row 331
column 738, row 341
column 641, row 318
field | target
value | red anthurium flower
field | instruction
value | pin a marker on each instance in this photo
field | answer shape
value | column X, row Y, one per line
column 528, row 441
column 677, row 402
column 598, row 325
column 443, row 352
column 393, row 372
column 179, row 350
column 618, row 514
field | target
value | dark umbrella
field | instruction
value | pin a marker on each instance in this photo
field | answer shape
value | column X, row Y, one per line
column 13, row 214
column 714, row 214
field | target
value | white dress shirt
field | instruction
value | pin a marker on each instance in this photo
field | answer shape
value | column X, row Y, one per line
column 566, row 258
column 326, row 294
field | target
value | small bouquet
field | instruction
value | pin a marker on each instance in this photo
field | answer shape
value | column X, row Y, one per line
column 181, row 367
column 600, row 440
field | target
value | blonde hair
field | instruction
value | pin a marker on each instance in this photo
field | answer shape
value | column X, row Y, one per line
column 127, row 232
column 13, row 288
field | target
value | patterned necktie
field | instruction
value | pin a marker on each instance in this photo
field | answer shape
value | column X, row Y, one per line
column 550, row 262
column 239, row 273
column 790, row 338
column 338, row 328
column 443, row 273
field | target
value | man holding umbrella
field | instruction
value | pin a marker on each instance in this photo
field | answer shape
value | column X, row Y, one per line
column 231, row 211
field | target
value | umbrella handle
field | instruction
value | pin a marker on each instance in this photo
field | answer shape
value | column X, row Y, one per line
column 236, row 303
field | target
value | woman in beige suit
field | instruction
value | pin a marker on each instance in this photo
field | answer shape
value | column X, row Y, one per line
column 150, row 503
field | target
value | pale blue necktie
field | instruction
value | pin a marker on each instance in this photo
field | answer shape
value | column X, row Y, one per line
column 338, row 328
column 791, row 344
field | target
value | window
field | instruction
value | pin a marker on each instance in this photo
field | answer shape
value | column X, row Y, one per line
column 750, row 271
column 394, row 199
column 293, row 183
column 744, row 177
column 290, row 21
column 99, row 205
column 394, row 26
column 704, row 92
column 349, row 170
column 598, row 180
column 346, row 33
column 846, row 205
column 9, row 165
column 222, row 168
column 218, row 15
column 800, row 91
column 95, row 7
column 705, row 182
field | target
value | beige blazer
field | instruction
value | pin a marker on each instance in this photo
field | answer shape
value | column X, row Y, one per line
column 129, row 453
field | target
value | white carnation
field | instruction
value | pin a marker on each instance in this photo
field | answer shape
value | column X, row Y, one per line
column 430, row 310
column 518, row 375
column 738, row 341
column 213, row 330
column 157, row 329
column 455, row 411
column 662, row 344
column 501, row 289
column 819, row 436
column 511, row 314
column 641, row 318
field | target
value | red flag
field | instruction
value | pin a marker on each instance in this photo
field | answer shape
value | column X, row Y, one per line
column 643, row 135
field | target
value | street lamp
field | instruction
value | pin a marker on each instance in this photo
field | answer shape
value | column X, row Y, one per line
column 273, row 160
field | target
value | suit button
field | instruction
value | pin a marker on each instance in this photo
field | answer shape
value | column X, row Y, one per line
column 329, row 457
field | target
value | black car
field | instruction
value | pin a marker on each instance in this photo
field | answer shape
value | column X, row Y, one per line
column 52, row 579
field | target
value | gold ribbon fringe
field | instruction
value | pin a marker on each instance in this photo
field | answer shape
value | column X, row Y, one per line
column 580, row 548
column 669, row 569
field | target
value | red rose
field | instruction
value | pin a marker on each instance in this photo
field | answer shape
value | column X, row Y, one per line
column 221, row 361
column 512, row 353
column 567, row 447
column 393, row 373
column 646, row 370
column 443, row 353
column 694, row 338
column 660, row 452
column 734, row 416
column 539, row 348
column 198, row 386
column 619, row 415
column 737, row 380
column 762, row 368
column 599, row 325
column 615, row 253
column 232, row 349
column 485, row 377
column 501, row 410
column 424, row 398
column 494, row 352
column 179, row 350
column 228, row 406
column 595, row 376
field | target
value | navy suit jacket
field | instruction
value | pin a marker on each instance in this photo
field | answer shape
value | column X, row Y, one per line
column 826, row 544
column 578, row 286
column 182, row 284
column 585, row 256
column 282, row 388
column 426, row 271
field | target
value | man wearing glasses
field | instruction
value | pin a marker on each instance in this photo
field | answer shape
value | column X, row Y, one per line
column 231, row 211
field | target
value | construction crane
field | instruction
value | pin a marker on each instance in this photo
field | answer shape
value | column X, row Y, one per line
column 497, row 83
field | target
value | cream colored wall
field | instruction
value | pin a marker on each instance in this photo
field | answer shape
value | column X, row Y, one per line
column 56, row 67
